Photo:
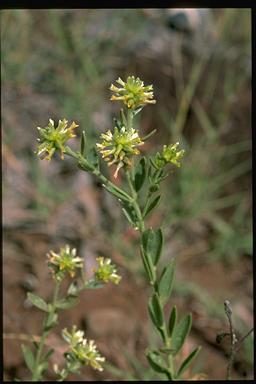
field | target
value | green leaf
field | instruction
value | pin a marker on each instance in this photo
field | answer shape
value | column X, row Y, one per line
column 140, row 174
column 51, row 321
column 148, row 266
column 28, row 357
column 156, row 361
column 92, row 284
column 152, row 242
column 172, row 320
column 166, row 282
column 155, row 311
column 123, row 119
column 186, row 363
column 48, row 354
column 92, row 157
column 73, row 289
column 117, row 193
column 129, row 213
column 37, row 301
column 67, row 303
column 42, row 368
column 83, row 140
column 180, row 333
column 152, row 205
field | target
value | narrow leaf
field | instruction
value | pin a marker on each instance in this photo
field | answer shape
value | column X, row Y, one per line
column 140, row 174
column 166, row 282
column 155, row 311
column 37, row 301
column 152, row 205
column 172, row 320
column 129, row 212
column 180, row 333
column 117, row 193
column 186, row 363
column 48, row 354
column 67, row 303
column 28, row 357
column 123, row 118
column 156, row 362
column 148, row 266
column 93, row 158
column 128, row 217
column 152, row 241
column 83, row 140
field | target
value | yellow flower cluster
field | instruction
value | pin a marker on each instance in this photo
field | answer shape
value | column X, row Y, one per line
column 82, row 350
column 106, row 271
column 119, row 147
column 53, row 139
column 170, row 154
column 64, row 262
column 133, row 93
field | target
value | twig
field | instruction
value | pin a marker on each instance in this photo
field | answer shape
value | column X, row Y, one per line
column 21, row 336
column 242, row 339
column 233, row 339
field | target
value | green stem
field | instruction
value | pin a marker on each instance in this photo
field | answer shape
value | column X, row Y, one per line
column 107, row 183
column 135, row 202
column 164, row 332
column 45, row 332
column 129, row 119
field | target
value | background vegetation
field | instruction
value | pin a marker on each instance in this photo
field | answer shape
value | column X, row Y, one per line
column 60, row 63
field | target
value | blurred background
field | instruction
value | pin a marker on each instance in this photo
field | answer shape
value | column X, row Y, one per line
column 60, row 63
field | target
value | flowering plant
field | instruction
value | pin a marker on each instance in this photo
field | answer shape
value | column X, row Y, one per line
column 121, row 147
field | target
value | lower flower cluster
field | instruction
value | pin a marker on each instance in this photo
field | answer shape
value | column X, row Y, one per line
column 81, row 352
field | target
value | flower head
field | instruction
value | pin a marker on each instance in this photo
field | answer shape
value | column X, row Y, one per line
column 133, row 93
column 170, row 154
column 64, row 262
column 82, row 351
column 53, row 139
column 106, row 271
column 119, row 147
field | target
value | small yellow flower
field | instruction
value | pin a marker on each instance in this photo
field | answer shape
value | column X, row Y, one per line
column 106, row 271
column 82, row 350
column 64, row 262
column 53, row 139
column 170, row 154
column 133, row 93
column 119, row 147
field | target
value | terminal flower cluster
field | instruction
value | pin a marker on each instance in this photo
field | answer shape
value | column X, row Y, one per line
column 133, row 93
